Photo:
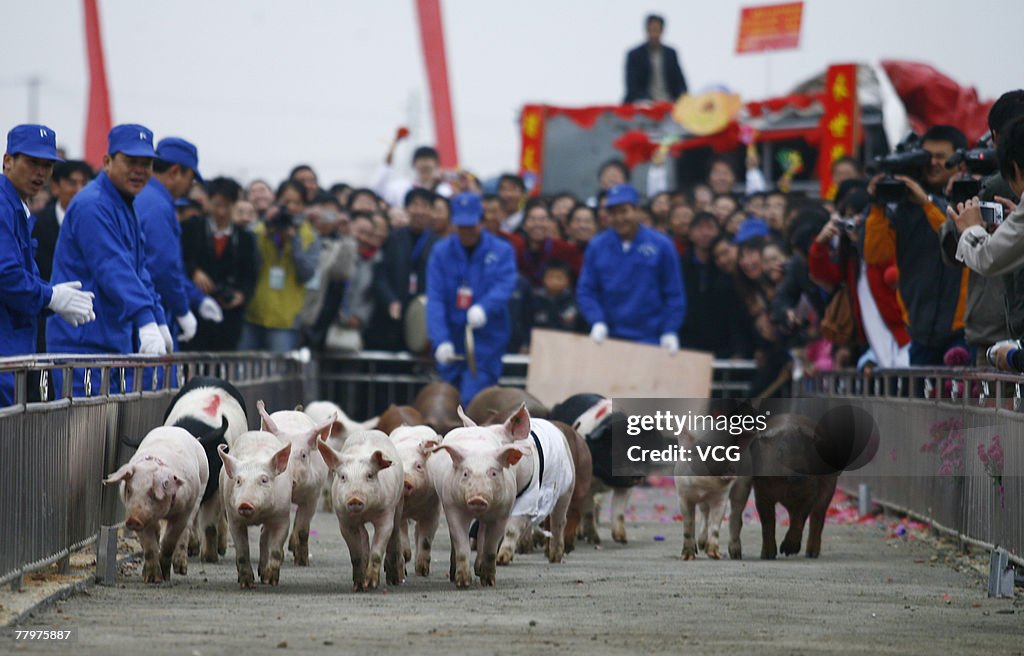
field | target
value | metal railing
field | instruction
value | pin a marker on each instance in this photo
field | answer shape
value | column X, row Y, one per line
column 932, row 423
column 365, row 384
column 55, row 453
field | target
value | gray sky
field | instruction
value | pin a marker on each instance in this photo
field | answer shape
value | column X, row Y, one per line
column 261, row 85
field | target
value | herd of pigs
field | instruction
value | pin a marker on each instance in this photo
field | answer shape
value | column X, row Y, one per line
column 507, row 473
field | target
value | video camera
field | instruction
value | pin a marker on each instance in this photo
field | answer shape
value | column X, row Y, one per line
column 980, row 160
column 908, row 159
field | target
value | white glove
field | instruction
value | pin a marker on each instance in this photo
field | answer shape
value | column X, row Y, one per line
column 599, row 332
column 165, row 332
column 210, row 310
column 71, row 305
column 476, row 317
column 670, row 341
column 188, row 324
column 445, row 353
column 151, row 342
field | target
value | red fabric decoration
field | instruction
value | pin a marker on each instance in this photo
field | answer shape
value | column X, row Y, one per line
column 932, row 98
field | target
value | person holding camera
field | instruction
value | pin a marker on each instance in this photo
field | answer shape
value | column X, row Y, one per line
column 985, row 315
column 933, row 294
column 220, row 257
column 289, row 251
column 992, row 248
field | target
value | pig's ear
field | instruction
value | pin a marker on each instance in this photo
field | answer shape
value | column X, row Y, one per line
column 216, row 436
column 230, row 462
column 380, row 460
column 510, row 455
column 429, row 445
column 266, row 423
column 371, row 423
column 518, row 425
column 452, row 451
column 279, row 461
column 298, row 408
column 323, row 431
column 122, row 474
column 330, row 456
column 466, row 421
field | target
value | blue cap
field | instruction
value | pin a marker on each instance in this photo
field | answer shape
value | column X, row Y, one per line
column 178, row 151
column 751, row 228
column 33, row 140
column 132, row 140
column 467, row 210
column 621, row 194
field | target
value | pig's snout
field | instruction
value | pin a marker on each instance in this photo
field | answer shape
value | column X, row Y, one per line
column 246, row 509
column 133, row 523
column 477, row 503
column 355, row 504
column 407, row 487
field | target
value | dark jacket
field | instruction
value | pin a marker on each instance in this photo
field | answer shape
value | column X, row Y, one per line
column 401, row 275
column 716, row 320
column 235, row 270
column 638, row 73
column 45, row 234
column 554, row 313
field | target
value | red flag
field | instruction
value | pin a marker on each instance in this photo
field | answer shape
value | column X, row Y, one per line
column 97, row 121
column 432, row 40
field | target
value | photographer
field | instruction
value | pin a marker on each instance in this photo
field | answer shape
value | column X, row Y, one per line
column 289, row 251
column 933, row 294
column 985, row 315
column 993, row 250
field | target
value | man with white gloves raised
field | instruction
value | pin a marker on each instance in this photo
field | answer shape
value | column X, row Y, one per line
column 24, row 295
column 102, row 244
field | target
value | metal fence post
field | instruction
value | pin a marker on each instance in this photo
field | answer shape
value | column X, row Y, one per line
column 1000, row 574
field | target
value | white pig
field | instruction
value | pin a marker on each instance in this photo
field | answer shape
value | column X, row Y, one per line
column 421, row 504
column 709, row 494
column 368, row 487
column 164, row 480
column 256, row 490
column 472, row 472
column 306, row 469
column 319, row 411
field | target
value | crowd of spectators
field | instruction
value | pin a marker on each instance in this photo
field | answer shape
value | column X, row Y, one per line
column 798, row 284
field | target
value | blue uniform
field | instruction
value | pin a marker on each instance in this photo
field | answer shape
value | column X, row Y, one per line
column 102, row 244
column 155, row 208
column 23, row 294
column 490, row 272
column 638, row 293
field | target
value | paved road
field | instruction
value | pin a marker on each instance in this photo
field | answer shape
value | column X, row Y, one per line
column 867, row 594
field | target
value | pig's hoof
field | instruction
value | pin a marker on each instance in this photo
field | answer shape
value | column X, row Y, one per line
column 712, row 552
column 222, row 549
column 273, row 575
column 193, row 549
column 407, row 555
column 181, row 564
column 504, row 556
column 689, row 550
column 555, row 554
column 619, row 534
column 788, row 548
column 463, row 579
column 813, row 553
column 302, row 558
column 767, row 555
column 209, row 556
column 246, row 580
column 487, row 580
column 151, row 573
column 422, row 566
column 735, row 551
column 702, row 544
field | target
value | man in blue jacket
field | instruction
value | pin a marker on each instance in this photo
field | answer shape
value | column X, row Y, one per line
column 470, row 277
column 630, row 286
column 175, row 167
column 24, row 295
column 101, row 244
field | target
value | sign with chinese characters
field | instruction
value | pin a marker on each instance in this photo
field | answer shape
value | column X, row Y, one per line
column 769, row 27
column 840, row 123
column 531, row 124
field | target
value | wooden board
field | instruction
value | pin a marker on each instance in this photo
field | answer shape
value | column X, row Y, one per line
column 563, row 364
